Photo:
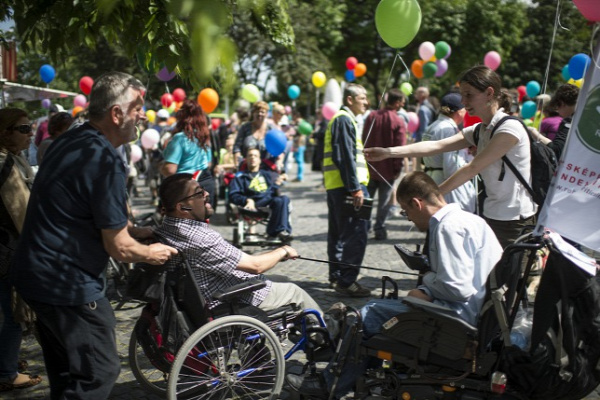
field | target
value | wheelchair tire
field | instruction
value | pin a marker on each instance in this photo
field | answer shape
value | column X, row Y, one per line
column 152, row 379
column 230, row 357
column 236, row 238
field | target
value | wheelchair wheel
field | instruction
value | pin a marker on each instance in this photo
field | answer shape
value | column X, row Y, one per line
column 152, row 379
column 230, row 357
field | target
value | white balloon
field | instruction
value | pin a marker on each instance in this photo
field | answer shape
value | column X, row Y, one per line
column 150, row 138
column 136, row 153
column 426, row 50
column 333, row 93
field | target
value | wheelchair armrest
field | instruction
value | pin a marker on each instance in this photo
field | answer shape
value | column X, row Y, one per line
column 235, row 291
column 437, row 310
column 260, row 213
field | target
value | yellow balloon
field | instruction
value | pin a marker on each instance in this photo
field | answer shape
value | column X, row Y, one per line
column 151, row 115
column 579, row 83
column 318, row 79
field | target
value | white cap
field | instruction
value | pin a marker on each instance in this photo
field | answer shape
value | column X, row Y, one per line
column 284, row 121
column 162, row 113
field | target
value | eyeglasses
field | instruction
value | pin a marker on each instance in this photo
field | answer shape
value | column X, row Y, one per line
column 403, row 213
column 25, row 128
column 192, row 196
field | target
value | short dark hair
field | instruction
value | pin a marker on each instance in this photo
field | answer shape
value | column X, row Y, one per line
column 418, row 184
column 394, row 95
column 59, row 123
column 172, row 189
column 481, row 78
column 565, row 94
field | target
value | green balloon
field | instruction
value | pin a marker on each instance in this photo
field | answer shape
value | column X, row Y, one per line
column 398, row 21
column 406, row 88
column 429, row 69
column 305, row 128
column 441, row 49
column 250, row 93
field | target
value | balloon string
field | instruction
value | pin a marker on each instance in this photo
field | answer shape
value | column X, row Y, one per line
column 167, row 86
column 547, row 73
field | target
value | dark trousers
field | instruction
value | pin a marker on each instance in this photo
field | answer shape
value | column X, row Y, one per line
column 79, row 347
column 383, row 203
column 509, row 231
column 346, row 239
column 279, row 220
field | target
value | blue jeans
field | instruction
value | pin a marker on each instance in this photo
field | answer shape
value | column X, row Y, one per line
column 383, row 203
column 279, row 220
column 346, row 239
column 374, row 314
column 10, row 336
column 299, row 157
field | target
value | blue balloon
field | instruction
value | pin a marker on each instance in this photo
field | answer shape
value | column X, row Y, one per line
column 532, row 89
column 275, row 142
column 293, row 92
column 47, row 73
column 528, row 109
column 565, row 73
column 350, row 75
column 578, row 64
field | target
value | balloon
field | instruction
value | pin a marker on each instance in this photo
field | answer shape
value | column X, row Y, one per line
column 288, row 109
column 293, row 92
column 329, row 109
column 162, row 113
column 522, row 92
column 171, row 108
column 305, row 128
column 151, row 116
column 413, row 121
column 250, row 93
column 349, row 76
column 528, row 109
column 318, row 79
column 166, row 99
column 171, row 121
column 47, row 73
column 579, row 83
column 76, row 110
column 406, row 88
column 578, row 64
column 426, row 50
column 150, row 138
column 441, row 49
column 429, row 69
column 208, row 100
column 351, row 62
column 565, row 72
column 164, row 75
column 398, row 21
column 179, row 95
column 528, row 122
column 448, row 54
column 442, row 67
column 46, row 103
column 360, row 70
column 589, row 9
column 275, row 142
column 215, row 123
column 85, row 84
column 136, row 153
column 417, row 68
column 80, row 100
column 532, row 89
column 492, row 60
column 333, row 93
column 470, row 120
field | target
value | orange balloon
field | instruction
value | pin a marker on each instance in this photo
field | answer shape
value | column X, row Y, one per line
column 178, row 105
column 171, row 120
column 360, row 69
column 208, row 100
column 417, row 68
column 76, row 110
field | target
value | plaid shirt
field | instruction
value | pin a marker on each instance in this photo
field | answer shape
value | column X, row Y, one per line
column 212, row 259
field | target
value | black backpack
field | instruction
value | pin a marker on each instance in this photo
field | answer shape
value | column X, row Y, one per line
column 543, row 164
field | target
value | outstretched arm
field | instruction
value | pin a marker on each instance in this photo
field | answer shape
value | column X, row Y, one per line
column 421, row 149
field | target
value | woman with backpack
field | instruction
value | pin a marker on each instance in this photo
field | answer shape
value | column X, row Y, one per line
column 508, row 207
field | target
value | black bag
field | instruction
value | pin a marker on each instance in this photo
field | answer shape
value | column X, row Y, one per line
column 564, row 360
column 146, row 282
column 543, row 164
column 364, row 212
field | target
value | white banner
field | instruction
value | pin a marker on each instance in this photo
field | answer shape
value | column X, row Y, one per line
column 572, row 207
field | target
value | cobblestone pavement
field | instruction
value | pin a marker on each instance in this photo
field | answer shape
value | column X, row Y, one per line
column 309, row 221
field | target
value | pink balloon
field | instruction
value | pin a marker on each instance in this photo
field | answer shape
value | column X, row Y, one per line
column 351, row 62
column 136, row 153
column 329, row 110
column 589, row 9
column 492, row 60
column 288, row 109
column 79, row 101
column 413, row 121
column 442, row 67
column 179, row 95
column 426, row 50
column 150, row 138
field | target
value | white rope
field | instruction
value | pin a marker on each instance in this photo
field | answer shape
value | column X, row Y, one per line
column 547, row 73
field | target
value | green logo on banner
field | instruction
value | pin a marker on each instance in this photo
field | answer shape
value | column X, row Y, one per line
column 588, row 127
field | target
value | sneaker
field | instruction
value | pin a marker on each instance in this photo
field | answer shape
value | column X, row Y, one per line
column 354, row 290
column 381, row 234
column 285, row 236
column 311, row 385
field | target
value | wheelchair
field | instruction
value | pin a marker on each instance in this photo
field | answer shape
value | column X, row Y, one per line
column 181, row 349
column 431, row 353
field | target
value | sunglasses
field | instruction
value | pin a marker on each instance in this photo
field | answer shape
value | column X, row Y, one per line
column 25, row 128
column 403, row 213
column 192, row 196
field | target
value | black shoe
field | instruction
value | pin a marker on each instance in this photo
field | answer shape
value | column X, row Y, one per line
column 381, row 234
column 311, row 385
column 285, row 236
column 354, row 290
column 332, row 284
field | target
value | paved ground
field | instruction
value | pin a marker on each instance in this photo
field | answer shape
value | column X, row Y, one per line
column 310, row 231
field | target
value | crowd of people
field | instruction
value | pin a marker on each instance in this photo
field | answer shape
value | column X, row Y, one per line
column 58, row 227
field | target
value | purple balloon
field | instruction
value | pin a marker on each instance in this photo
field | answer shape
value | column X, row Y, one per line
column 442, row 67
column 164, row 75
column 449, row 52
column 46, row 103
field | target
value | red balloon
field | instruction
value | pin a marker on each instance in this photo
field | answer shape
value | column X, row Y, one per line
column 166, row 99
column 351, row 62
column 589, row 9
column 470, row 120
column 522, row 92
column 179, row 95
column 215, row 123
column 85, row 84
